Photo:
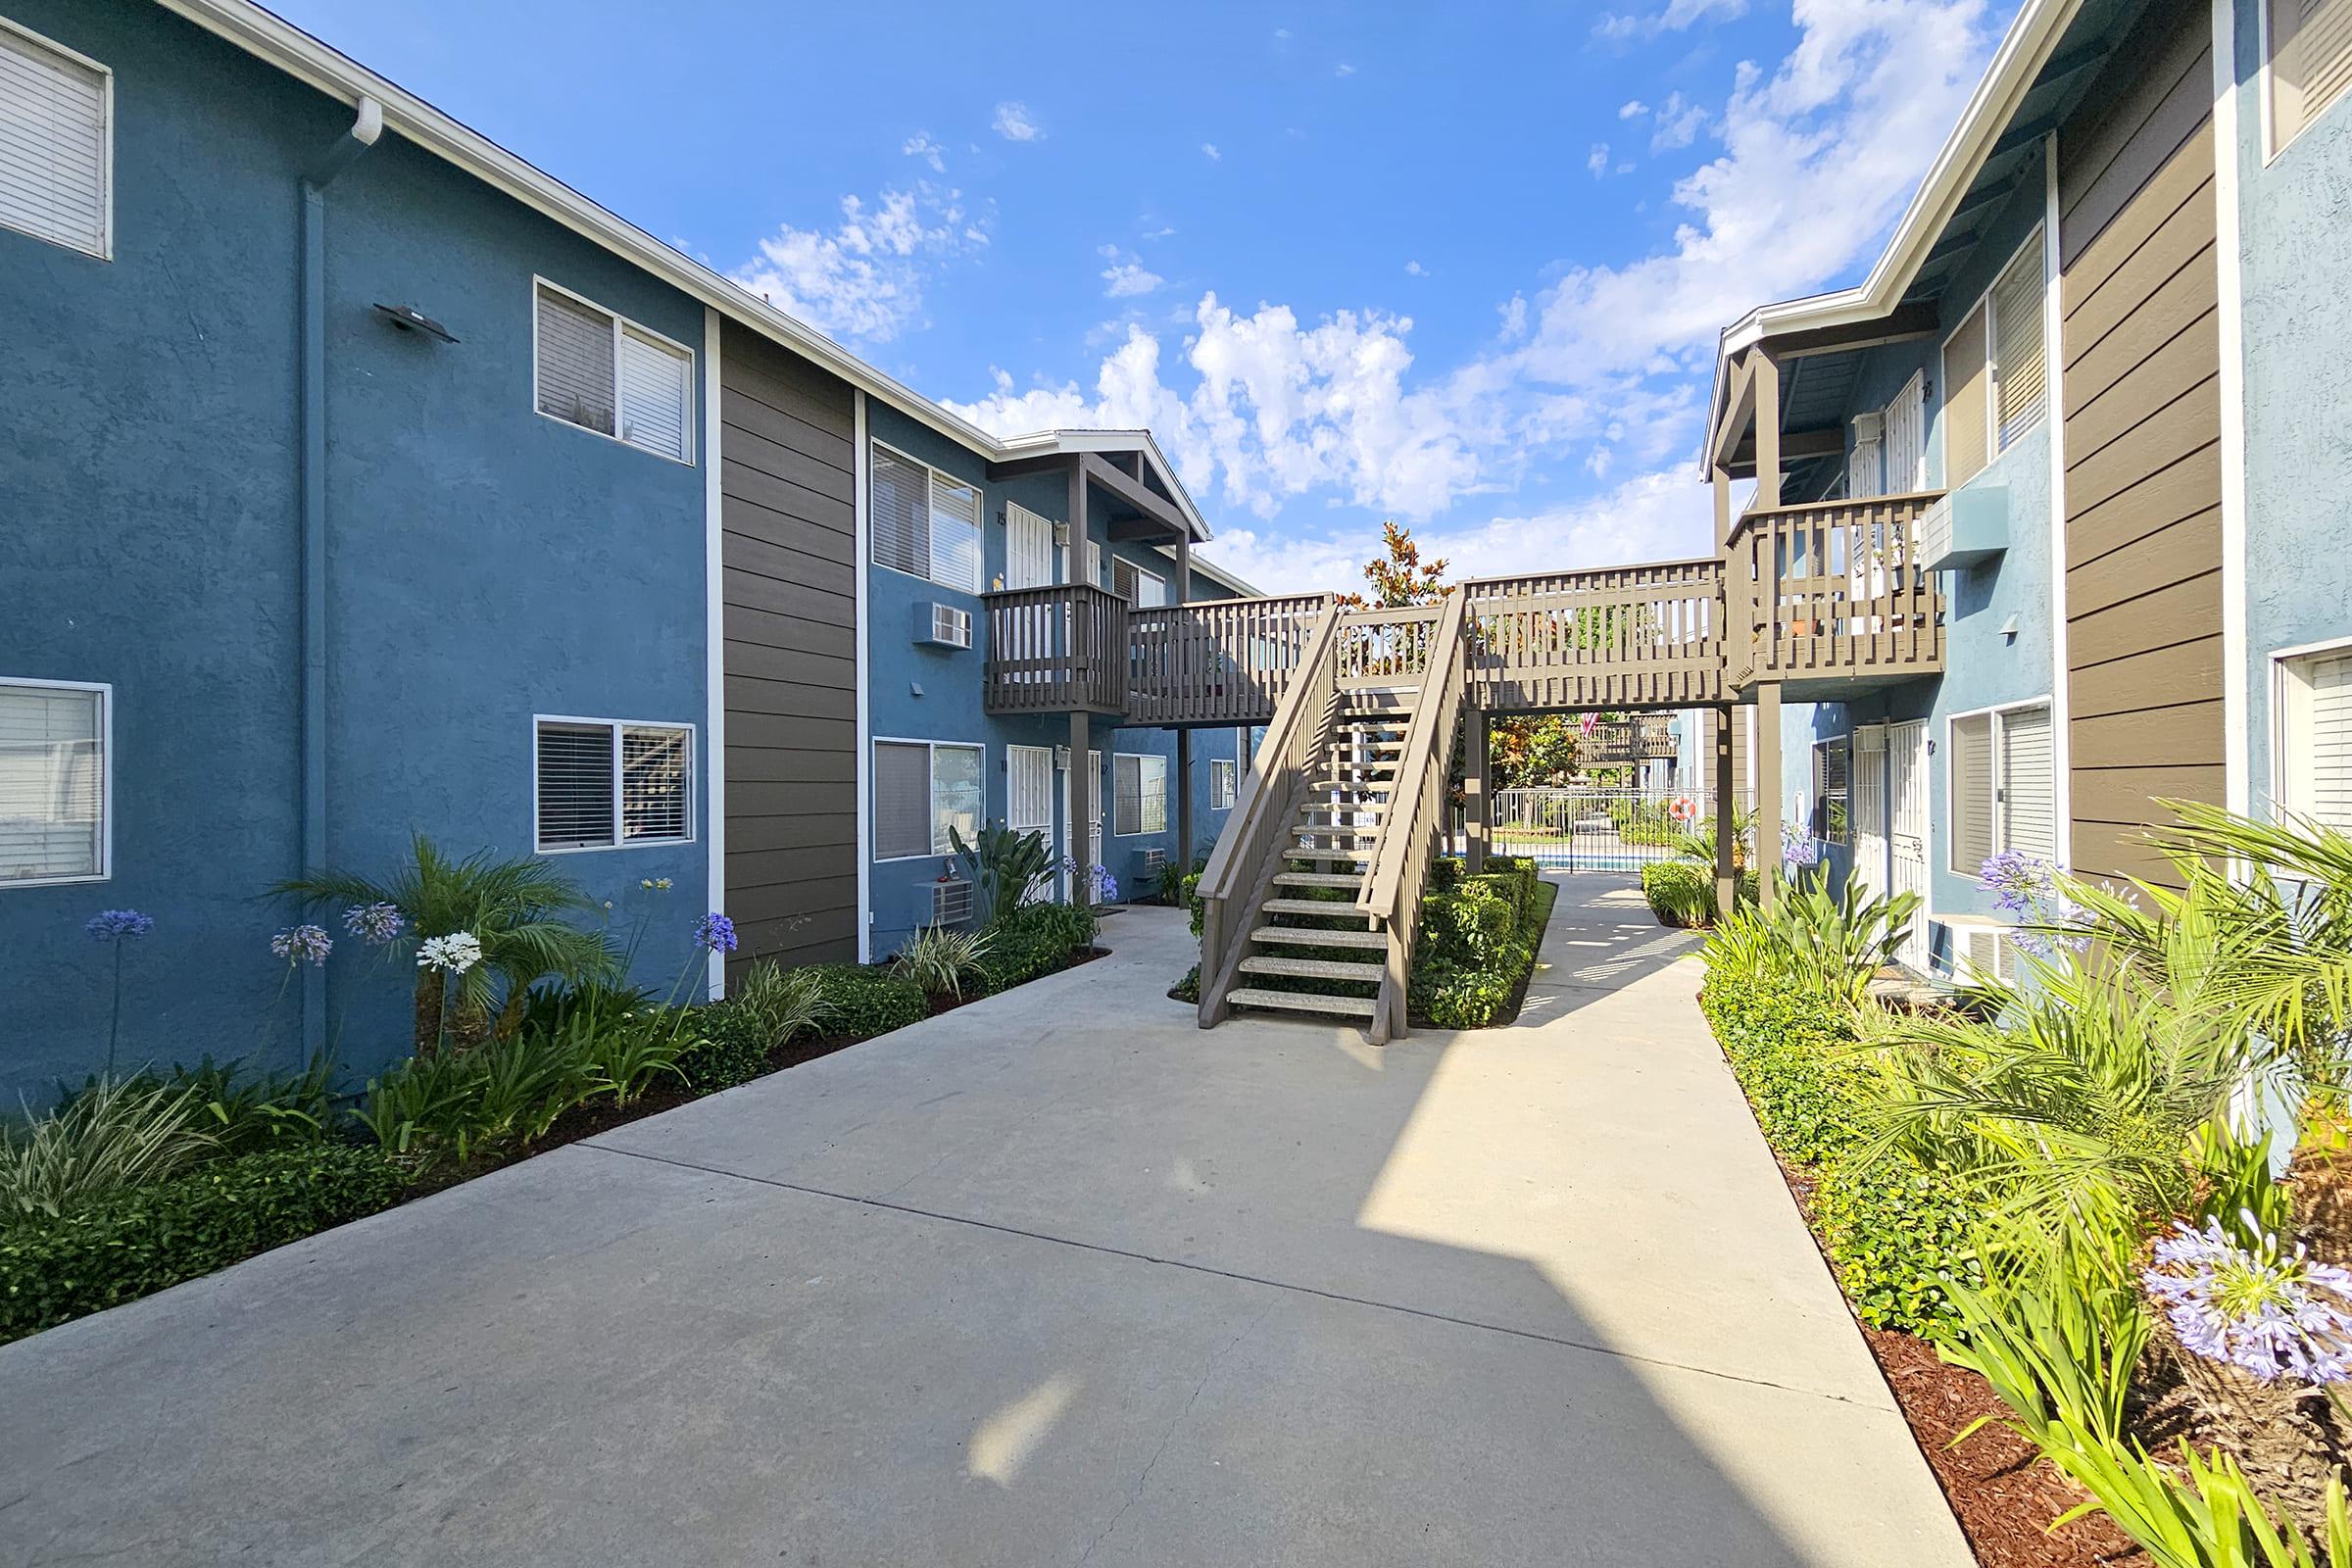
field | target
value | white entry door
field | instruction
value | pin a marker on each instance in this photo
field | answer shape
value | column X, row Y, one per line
column 1094, row 808
column 1028, row 549
column 1029, row 799
column 1866, row 778
column 1906, row 437
column 1907, row 844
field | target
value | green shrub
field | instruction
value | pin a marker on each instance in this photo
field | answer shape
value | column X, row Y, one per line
column 1680, row 893
column 1035, row 941
column 1455, row 998
column 865, row 1001
column 786, row 1002
column 458, row 1104
column 733, row 1046
column 108, row 1136
column 130, row 1244
column 1477, row 941
column 937, row 961
column 1791, row 1053
column 1896, row 1236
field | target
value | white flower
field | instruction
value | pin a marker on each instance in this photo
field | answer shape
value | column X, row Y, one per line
column 454, row 954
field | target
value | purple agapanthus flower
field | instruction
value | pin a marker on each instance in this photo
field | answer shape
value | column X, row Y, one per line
column 303, row 943
column 2026, row 886
column 1799, row 849
column 2269, row 1313
column 374, row 923
column 117, row 925
column 714, row 933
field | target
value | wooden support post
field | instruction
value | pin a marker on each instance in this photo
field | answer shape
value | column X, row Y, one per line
column 1727, row 813
column 1768, row 429
column 1073, row 558
column 1478, row 827
column 1768, row 790
column 1184, row 801
column 1184, row 570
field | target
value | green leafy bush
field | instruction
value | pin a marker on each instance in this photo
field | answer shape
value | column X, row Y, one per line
column 1035, row 941
column 937, row 961
column 1897, row 1237
column 869, row 1001
column 733, row 1046
column 1477, row 941
column 129, row 1244
column 110, row 1135
column 1682, row 893
column 462, row 1103
column 786, row 1002
column 1792, row 1053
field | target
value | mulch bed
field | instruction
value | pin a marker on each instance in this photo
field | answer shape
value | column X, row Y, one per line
column 1999, row 1488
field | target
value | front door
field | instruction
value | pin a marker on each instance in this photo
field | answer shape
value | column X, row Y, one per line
column 1094, row 811
column 1028, row 549
column 1907, row 843
column 1906, row 437
column 1867, row 779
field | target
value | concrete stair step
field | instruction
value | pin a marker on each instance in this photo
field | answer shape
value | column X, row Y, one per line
column 1317, row 879
column 1290, row 937
column 1303, row 1001
column 1309, row 907
column 1314, row 969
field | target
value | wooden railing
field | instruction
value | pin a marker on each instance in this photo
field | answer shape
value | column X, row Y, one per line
column 1620, row 636
column 1386, row 647
column 1216, row 661
column 1249, row 852
column 1639, row 739
column 1835, row 588
column 1415, row 819
column 1056, row 650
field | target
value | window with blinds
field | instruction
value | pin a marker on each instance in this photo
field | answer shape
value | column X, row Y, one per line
column 1832, row 767
column 2315, row 737
column 2018, row 361
column 1967, row 412
column 2311, row 61
column 1126, row 579
column 606, row 373
column 925, row 523
column 1221, row 783
column 1138, row 793
column 2003, row 784
column 54, row 784
column 56, row 143
column 600, row 784
column 921, row 790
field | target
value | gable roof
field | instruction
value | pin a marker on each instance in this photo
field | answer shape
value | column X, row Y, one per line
column 326, row 69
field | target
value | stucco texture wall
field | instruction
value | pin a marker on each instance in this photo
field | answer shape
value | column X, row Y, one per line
column 486, row 563
column 2295, row 242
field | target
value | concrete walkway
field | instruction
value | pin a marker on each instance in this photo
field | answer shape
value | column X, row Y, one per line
column 1055, row 1279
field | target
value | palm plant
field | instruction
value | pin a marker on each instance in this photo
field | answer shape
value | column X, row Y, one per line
column 513, row 908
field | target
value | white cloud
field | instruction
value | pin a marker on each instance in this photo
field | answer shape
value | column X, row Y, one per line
column 863, row 279
column 1210, row 148
column 1162, row 232
column 1282, row 35
column 1598, row 160
column 1015, row 123
column 1126, row 277
column 1679, row 123
column 1345, row 70
column 1415, row 270
column 1679, row 16
column 1632, row 109
column 1600, row 376
column 920, row 145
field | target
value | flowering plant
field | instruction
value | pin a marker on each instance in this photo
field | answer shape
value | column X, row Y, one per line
column 714, row 933
column 1094, row 881
column 2026, row 886
column 117, row 925
column 1798, row 851
column 454, row 954
column 303, row 943
column 2264, row 1312
column 374, row 923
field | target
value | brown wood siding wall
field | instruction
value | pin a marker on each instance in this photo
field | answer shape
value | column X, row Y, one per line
column 2142, row 349
column 788, row 505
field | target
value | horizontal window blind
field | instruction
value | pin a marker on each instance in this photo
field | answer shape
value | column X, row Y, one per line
column 52, row 783
column 575, row 362
column 2028, row 820
column 899, row 508
column 575, row 786
column 1971, row 785
column 2318, row 733
column 955, row 535
column 957, row 796
column 1126, row 794
column 55, row 161
column 2016, row 350
column 657, row 783
column 1965, row 437
column 657, row 396
column 1220, row 786
column 1126, row 580
column 902, row 800
column 2311, row 61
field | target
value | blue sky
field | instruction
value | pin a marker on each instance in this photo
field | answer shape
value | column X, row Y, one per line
column 1461, row 266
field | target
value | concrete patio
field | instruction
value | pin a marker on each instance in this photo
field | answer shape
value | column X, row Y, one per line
column 1057, row 1278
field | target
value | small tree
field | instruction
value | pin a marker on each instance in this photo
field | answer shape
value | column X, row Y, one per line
column 1399, row 576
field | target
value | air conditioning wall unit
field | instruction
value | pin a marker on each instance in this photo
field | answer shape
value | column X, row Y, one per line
column 1982, row 948
column 1151, row 862
column 942, row 625
column 951, row 901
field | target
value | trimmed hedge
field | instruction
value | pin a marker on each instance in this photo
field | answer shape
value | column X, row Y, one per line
column 130, row 1244
column 733, row 1049
column 1894, row 1234
column 1477, row 941
column 868, row 1001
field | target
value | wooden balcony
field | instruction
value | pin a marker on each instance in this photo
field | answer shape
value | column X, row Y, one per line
column 1646, row 636
column 1056, row 650
column 1216, row 661
column 1644, row 738
column 1833, row 595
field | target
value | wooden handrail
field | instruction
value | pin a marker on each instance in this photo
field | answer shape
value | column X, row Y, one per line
column 1416, row 813
column 1249, row 848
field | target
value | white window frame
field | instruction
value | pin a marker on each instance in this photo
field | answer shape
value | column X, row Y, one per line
column 2290, row 700
column 2265, row 103
column 934, row 475
column 934, row 747
column 1138, row 831
column 1224, row 783
column 1994, row 446
column 621, row 327
column 620, row 805
column 106, row 172
column 106, row 778
column 1997, row 711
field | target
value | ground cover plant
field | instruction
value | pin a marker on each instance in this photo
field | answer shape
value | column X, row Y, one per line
column 131, row 1183
column 2113, row 1187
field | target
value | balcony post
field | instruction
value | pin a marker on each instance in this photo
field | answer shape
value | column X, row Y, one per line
column 1478, row 823
column 1184, row 801
column 1768, row 791
column 1727, row 813
column 1768, row 429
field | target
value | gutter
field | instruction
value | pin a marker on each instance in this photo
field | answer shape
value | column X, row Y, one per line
column 364, row 130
